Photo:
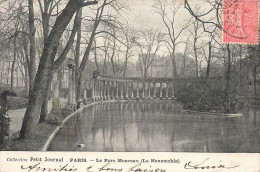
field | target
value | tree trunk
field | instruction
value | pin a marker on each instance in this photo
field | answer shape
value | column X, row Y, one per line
column 77, row 55
column 174, row 66
column 32, row 64
column 228, row 78
column 32, row 113
column 13, row 64
column 126, row 60
column 208, row 62
column 44, row 108
column 196, row 57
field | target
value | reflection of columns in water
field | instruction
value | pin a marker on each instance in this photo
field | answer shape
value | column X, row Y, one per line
column 98, row 89
column 167, row 90
column 172, row 107
column 154, row 90
column 137, row 89
column 206, row 146
column 149, row 90
column 143, row 94
column 149, row 109
column 122, row 90
column 167, row 107
column 93, row 89
column 161, row 109
column 160, row 90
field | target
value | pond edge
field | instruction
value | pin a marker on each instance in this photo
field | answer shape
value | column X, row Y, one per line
column 57, row 129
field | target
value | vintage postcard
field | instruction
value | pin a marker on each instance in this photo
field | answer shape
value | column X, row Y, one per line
column 129, row 85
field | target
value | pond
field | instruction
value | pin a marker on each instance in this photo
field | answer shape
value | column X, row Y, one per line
column 156, row 126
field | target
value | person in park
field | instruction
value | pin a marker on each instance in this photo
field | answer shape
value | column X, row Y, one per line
column 5, row 120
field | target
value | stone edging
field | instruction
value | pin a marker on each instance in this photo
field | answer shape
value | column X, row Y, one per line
column 212, row 113
column 57, row 129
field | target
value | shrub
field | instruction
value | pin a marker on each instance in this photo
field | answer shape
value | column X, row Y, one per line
column 201, row 95
column 17, row 102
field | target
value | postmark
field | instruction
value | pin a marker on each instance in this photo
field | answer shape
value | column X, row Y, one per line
column 240, row 21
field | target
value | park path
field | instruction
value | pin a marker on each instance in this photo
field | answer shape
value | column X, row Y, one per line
column 18, row 114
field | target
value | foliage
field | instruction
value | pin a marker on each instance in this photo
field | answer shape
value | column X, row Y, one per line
column 17, row 102
column 202, row 95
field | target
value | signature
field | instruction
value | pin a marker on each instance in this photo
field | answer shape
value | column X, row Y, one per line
column 38, row 167
column 202, row 166
column 136, row 168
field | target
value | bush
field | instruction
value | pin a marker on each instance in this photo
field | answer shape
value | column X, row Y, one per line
column 202, row 95
column 17, row 102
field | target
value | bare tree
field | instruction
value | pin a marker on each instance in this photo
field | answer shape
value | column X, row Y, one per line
column 149, row 43
column 167, row 9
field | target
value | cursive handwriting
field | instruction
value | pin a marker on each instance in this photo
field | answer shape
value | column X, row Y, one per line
column 107, row 168
column 202, row 166
column 38, row 167
column 137, row 168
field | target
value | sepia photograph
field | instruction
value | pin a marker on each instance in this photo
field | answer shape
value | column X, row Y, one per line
column 130, row 76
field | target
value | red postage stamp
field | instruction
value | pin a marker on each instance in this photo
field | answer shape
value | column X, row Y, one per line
column 240, row 21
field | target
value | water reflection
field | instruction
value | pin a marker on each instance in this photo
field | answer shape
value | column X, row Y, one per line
column 142, row 126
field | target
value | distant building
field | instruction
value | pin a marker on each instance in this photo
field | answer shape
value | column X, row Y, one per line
column 161, row 66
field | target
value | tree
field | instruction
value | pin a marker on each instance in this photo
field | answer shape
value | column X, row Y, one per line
column 31, row 65
column 167, row 9
column 149, row 42
column 32, row 113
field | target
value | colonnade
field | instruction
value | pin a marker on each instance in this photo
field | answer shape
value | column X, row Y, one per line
column 118, row 89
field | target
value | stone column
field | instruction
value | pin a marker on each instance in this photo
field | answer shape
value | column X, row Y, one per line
column 122, row 90
column 104, row 90
column 132, row 89
column 161, row 90
column 149, row 90
column 172, row 91
column 167, row 90
column 85, row 97
column 55, row 93
column 112, row 90
column 73, row 87
column 117, row 89
column 70, row 88
column 108, row 90
column 126, row 92
column 154, row 90
column 85, row 94
column 55, row 113
column 137, row 90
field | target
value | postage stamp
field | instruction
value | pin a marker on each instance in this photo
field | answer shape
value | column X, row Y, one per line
column 240, row 21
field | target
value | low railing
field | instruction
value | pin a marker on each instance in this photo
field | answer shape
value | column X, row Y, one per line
column 120, row 88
